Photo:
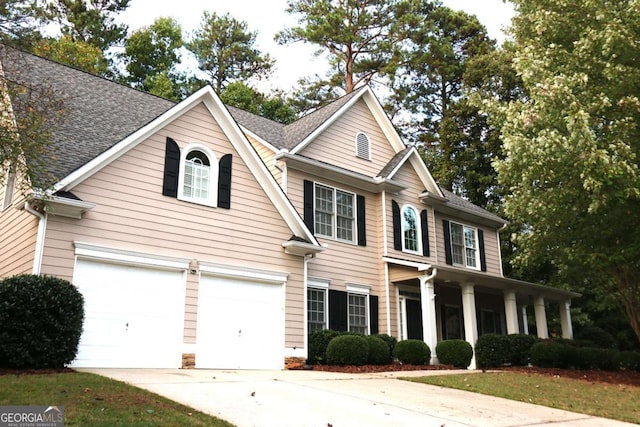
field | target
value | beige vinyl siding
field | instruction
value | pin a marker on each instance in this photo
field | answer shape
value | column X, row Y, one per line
column 336, row 145
column 18, row 234
column 408, row 177
column 131, row 213
column 267, row 157
column 491, row 245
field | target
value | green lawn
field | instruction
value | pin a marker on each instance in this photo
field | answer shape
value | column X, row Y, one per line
column 92, row 400
column 592, row 398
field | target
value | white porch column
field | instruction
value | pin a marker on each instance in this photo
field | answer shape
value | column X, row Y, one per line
column 470, row 320
column 525, row 320
column 428, row 306
column 511, row 312
column 565, row 319
column 541, row 317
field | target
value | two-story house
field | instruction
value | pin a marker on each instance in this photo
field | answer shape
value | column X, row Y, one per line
column 202, row 235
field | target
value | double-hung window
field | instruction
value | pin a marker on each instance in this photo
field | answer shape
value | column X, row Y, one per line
column 357, row 306
column 464, row 245
column 334, row 213
column 316, row 309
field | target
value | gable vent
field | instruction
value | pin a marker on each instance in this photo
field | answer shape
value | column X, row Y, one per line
column 363, row 146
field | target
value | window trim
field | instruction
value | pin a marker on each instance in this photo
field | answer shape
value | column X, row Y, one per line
column 319, row 285
column 368, row 146
column 212, row 199
column 464, row 246
column 334, row 214
column 418, row 250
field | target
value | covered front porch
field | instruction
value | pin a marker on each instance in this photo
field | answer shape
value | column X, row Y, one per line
column 439, row 303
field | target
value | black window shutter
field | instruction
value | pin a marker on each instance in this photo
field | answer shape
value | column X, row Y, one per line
column 337, row 310
column 397, row 226
column 483, row 257
column 424, row 226
column 308, row 205
column 362, row 227
column 224, row 181
column 171, row 168
column 448, row 255
column 373, row 314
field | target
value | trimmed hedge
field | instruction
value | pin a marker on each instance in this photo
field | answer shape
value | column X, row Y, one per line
column 412, row 352
column 379, row 353
column 519, row 348
column 598, row 336
column 554, row 354
column 391, row 341
column 492, row 350
column 319, row 339
column 348, row 350
column 40, row 322
column 454, row 352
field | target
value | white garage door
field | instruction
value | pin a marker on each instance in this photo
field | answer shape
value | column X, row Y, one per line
column 240, row 324
column 133, row 316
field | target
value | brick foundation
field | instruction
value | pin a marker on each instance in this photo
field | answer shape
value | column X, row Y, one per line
column 294, row 362
column 188, row 360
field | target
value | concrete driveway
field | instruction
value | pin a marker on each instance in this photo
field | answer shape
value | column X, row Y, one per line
column 325, row 399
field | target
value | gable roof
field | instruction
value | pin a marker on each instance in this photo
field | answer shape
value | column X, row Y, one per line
column 98, row 112
column 124, row 117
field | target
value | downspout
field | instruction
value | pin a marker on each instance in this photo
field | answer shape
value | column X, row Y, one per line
column 305, row 261
column 387, row 285
column 42, row 226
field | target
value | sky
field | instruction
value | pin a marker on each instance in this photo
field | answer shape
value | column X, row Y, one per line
column 269, row 16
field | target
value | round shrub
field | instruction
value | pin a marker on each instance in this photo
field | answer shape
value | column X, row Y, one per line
column 550, row 354
column 519, row 348
column 598, row 336
column 378, row 351
column 412, row 352
column 492, row 350
column 391, row 341
column 40, row 322
column 630, row 360
column 454, row 352
column 348, row 350
column 318, row 341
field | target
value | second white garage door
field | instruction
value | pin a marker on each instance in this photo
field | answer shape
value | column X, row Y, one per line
column 240, row 324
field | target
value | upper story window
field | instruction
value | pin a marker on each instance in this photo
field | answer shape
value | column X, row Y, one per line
column 334, row 213
column 464, row 245
column 363, row 146
column 410, row 230
column 199, row 175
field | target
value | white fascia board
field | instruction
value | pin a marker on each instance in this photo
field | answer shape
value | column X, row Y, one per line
column 421, row 169
column 418, row 265
column 328, row 122
column 264, row 177
column 383, row 120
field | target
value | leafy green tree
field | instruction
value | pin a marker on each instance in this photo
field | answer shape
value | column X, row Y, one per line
column 151, row 57
column 90, row 21
column 75, row 54
column 19, row 21
column 225, row 51
column 572, row 145
column 240, row 95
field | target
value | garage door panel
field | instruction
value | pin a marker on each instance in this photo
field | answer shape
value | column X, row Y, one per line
column 134, row 316
column 240, row 324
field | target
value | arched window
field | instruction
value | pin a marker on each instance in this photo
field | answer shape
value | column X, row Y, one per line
column 410, row 230
column 199, row 175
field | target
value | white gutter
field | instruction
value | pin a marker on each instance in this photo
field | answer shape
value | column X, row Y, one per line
column 42, row 227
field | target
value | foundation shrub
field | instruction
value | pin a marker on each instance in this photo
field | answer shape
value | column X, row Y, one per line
column 348, row 350
column 630, row 360
column 40, row 322
column 551, row 354
column 412, row 352
column 492, row 350
column 598, row 336
column 391, row 341
column 318, row 341
column 454, row 352
column 379, row 353
column 519, row 346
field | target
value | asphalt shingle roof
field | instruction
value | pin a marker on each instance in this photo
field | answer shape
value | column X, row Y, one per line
column 98, row 112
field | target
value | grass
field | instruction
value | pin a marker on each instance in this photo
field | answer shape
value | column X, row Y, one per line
column 599, row 399
column 93, row 400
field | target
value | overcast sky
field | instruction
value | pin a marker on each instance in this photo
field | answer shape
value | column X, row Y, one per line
column 269, row 16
